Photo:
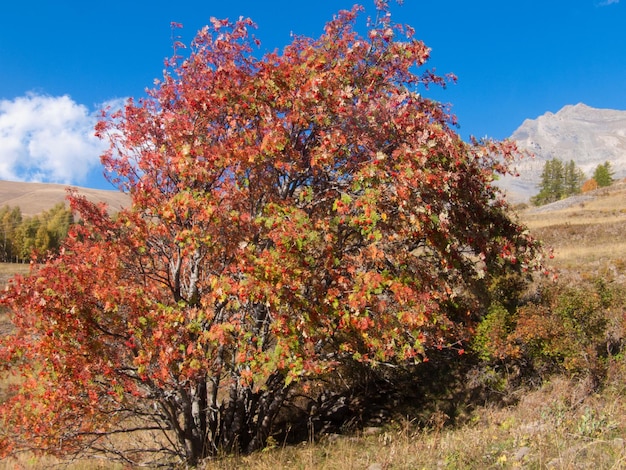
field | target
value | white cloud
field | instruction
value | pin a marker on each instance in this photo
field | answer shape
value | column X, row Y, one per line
column 47, row 139
column 607, row 2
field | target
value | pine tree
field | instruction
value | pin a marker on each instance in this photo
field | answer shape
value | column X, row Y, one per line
column 603, row 174
column 558, row 181
column 574, row 178
column 552, row 182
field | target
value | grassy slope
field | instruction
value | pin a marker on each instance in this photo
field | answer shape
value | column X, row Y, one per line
column 34, row 198
column 561, row 425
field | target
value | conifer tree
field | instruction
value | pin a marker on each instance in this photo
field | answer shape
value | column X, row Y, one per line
column 552, row 179
column 603, row 174
column 558, row 181
column 43, row 233
column 573, row 179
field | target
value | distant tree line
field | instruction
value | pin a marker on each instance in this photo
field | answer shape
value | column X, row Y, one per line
column 561, row 180
column 21, row 236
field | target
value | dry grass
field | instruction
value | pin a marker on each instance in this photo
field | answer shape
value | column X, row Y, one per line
column 30, row 461
column 587, row 236
column 34, row 198
column 608, row 206
column 8, row 270
column 559, row 426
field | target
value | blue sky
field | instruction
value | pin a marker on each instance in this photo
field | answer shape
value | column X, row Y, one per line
column 61, row 60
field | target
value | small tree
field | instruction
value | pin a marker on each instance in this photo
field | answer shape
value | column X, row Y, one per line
column 289, row 214
column 558, row 181
column 552, row 183
column 25, row 238
column 57, row 222
column 603, row 174
column 573, row 179
column 589, row 185
column 10, row 220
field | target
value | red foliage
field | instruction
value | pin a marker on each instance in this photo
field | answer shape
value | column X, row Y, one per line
column 589, row 185
column 288, row 214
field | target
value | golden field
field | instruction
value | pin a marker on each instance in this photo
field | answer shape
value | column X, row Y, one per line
column 34, row 198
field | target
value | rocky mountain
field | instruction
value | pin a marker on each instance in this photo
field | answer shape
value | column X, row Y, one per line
column 589, row 136
column 34, row 198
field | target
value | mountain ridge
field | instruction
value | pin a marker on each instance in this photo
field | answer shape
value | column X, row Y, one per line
column 588, row 136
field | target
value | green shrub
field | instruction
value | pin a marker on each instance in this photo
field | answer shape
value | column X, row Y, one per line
column 492, row 335
column 568, row 328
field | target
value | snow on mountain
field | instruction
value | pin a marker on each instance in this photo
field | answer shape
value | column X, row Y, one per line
column 589, row 136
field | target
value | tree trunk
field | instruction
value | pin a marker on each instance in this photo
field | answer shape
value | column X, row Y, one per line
column 268, row 406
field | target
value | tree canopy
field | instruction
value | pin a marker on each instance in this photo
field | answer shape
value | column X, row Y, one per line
column 290, row 214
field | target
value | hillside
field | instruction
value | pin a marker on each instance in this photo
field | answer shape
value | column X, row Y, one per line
column 586, row 135
column 586, row 231
column 34, row 198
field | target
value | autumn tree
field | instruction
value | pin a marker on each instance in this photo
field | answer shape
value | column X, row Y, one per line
column 10, row 220
column 26, row 236
column 290, row 215
column 589, row 185
column 22, row 237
